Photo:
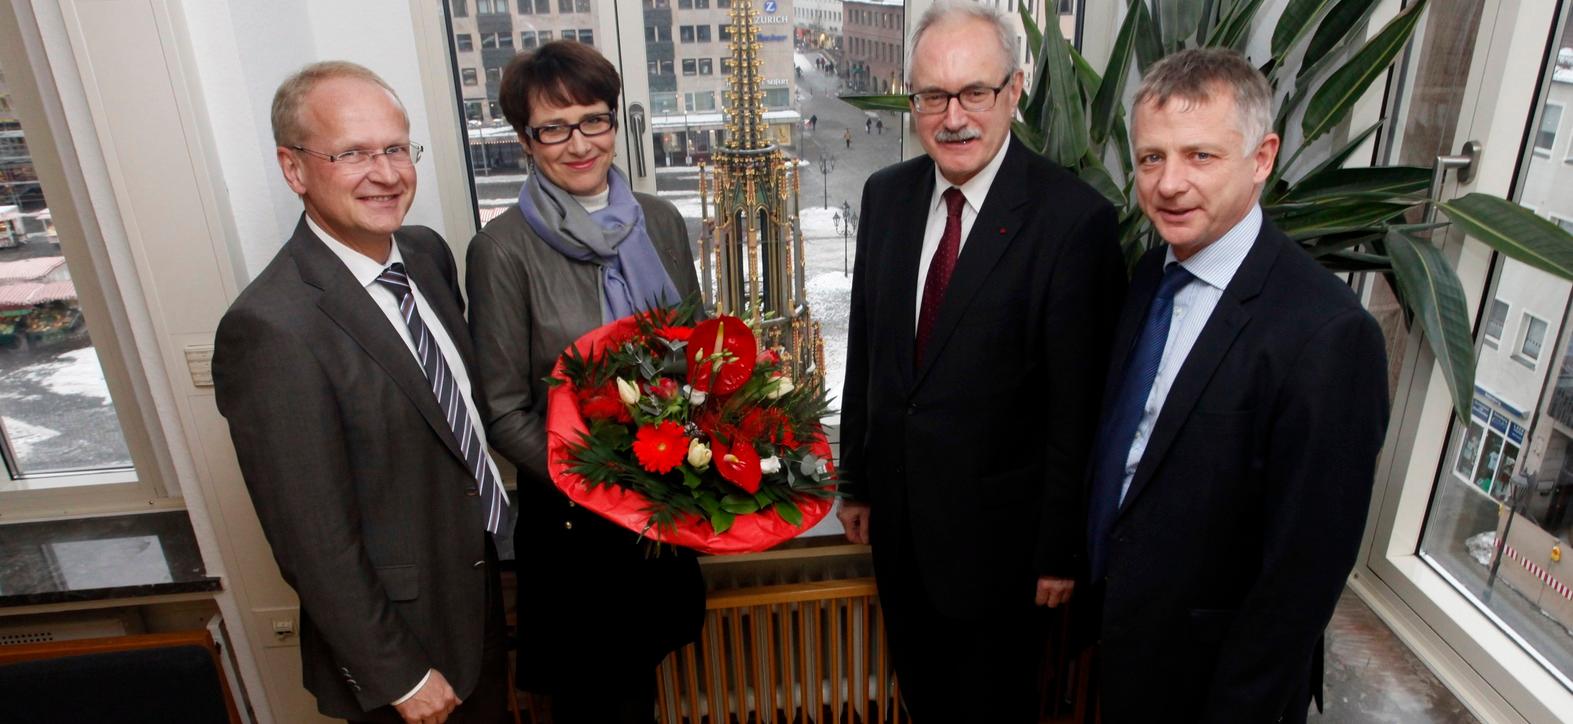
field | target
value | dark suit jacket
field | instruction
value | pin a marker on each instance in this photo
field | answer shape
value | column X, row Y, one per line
column 528, row 302
column 977, row 451
column 1245, row 514
column 355, row 475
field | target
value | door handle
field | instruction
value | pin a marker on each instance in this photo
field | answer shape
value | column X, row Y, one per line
column 636, row 124
column 1464, row 162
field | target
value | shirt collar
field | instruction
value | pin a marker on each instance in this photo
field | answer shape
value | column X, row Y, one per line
column 976, row 188
column 362, row 267
column 1217, row 262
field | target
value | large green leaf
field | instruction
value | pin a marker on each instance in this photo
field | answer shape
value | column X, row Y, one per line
column 1432, row 291
column 1335, row 160
column 1333, row 217
column 895, row 103
column 1514, row 231
column 1354, row 261
column 1177, row 20
column 1097, row 176
column 1149, row 47
column 1067, row 135
column 1334, row 30
column 1026, row 104
column 1236, row 28
column 1370, row 181
column 1336, row 98
column 1294, row 22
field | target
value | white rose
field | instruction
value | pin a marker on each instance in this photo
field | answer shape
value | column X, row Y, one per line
column 698, row 453
column 695, row 397
column 627, row 391
column 770, row 465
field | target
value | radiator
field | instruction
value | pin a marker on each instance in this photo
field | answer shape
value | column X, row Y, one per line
column 808, row 652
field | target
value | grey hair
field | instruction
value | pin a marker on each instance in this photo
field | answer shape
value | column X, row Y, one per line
column 945, row 11
column 1194, row 75
column 291, row 95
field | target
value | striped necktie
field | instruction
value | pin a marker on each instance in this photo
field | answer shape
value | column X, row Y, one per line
column 451, row 399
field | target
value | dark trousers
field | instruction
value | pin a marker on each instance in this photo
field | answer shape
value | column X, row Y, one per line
column 982, row 670
column 488, row 703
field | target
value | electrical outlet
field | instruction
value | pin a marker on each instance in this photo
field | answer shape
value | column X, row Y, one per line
column 277, row 626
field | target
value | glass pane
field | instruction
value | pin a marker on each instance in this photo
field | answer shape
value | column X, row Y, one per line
column 1499, row 524
column 55, row 411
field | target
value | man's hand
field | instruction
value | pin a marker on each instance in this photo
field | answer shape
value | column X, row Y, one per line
column 432, row 704
column 854, row 517
column 1054, row 591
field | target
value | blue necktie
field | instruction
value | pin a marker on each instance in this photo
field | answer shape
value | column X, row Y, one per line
column 1125, row 414
column 451, row 399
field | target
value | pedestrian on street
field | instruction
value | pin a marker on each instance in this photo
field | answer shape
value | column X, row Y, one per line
column 868, row 125
column 880, row 124
column 847, row 136
column 813, row 122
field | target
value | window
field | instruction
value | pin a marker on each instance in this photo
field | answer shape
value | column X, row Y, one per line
column 569, row 34
column 470, row 76
column 685, row 4
column 497, row 40
column 685, row 33
column 1550, row 120
column 705, row 67
column 494, row 75
column 586, row 37
column 56, row 414
column 690, row 66
column 663, row 103
column 543, row 7
column 725, row 31
column 1496, row 321
column 526, row 7
column 1534, row 337
column 702, row 33
column 658, row 33
column 581, row 6
column 461, row 8
column 701, row 4
column 699, row 102
column 465, row 42
column 1067, row 7
column 472, row 111
column 486, row 7
column 776, row 98
column 545, row 36
column 527, row 40
column 564, row 6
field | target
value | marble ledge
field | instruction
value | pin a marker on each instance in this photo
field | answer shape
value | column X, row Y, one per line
column 90, row 559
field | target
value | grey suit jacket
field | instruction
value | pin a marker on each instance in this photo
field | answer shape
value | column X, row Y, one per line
column 356, row 477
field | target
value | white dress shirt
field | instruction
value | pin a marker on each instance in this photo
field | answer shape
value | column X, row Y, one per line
column 1214, row 266
column 366, row 270
column 975, row 190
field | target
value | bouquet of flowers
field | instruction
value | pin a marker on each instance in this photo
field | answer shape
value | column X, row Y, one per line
column 689, row 433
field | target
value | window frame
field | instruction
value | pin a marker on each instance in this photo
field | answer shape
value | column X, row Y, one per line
column 1556, row 131
column 1485, row 329
column 1526, row 326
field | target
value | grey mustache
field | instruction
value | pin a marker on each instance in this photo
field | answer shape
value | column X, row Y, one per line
column 965, row 134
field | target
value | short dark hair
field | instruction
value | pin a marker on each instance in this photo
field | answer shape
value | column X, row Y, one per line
column 563, row 72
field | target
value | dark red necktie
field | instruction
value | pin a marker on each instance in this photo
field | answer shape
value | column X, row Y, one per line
column 940, row 267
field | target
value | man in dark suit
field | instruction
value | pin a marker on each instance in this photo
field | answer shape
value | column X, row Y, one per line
column 344, row 371
column 985, row 290
column 1245, row 407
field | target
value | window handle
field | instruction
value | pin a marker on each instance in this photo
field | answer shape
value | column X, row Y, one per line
column 636, row 124
column 1464, row 162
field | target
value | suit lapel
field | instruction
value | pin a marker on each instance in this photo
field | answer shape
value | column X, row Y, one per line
column 907, row 242
column 428, row 278
column 1228, row 319
column 992, row 232
column 348, row 304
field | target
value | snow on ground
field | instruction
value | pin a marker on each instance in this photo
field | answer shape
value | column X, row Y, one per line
column 828, row 297
column 24, row 436
column 73, row 373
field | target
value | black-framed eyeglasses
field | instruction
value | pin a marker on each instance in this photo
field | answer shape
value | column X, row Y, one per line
column 555, row 133
column 402, row 154
column 972, row 98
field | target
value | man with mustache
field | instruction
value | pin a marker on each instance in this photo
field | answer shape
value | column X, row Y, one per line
column 983, row 301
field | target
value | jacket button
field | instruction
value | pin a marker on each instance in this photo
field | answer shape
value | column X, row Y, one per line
column 567, row 525
column 912, row 409
column 571, row 504
column 478, row 564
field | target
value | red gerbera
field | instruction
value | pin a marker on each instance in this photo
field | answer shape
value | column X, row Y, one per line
column 675, row 334
column 662, row 447
column 738, row 463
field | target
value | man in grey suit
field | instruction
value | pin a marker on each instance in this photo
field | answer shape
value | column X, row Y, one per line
column 344, row 371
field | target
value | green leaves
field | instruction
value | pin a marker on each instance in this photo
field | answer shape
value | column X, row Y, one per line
column 1335, row 29
column 1406, row 183
column 1514, row 231
column 1433, row 293
column 1111, row 91
column 1337, row 96
column 1294, row 22
column 1067, row 135
column 1177, row 20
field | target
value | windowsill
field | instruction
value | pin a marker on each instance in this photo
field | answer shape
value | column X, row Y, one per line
column 92, row 559
column 1521, row 359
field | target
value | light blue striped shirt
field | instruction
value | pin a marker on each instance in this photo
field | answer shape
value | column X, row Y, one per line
column 1214, row 266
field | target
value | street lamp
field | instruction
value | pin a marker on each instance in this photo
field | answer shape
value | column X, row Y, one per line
column 827, row 163
column 846, row 223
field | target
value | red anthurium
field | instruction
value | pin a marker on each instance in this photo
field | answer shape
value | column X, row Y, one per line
column 738, row 463
column 662, row 447
column 721, row 355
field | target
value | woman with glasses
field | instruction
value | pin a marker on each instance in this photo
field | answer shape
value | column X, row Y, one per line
column 597, row 609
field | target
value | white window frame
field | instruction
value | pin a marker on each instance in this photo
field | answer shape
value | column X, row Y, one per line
column 1485, row 333
column 1526, row 323
column 1556, row 133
